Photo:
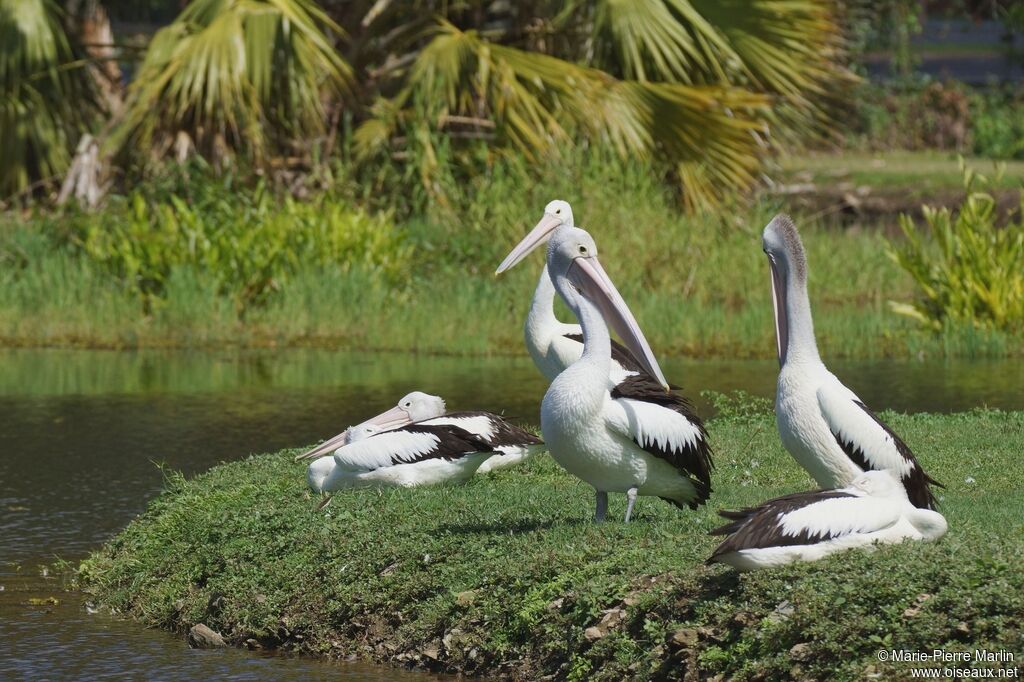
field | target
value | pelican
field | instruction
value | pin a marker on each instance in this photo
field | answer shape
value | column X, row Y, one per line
column 413, row 407
column 829, row 430
column 411, row 455
column 648, row 444
column 554, row 345
column 510, row 443
column 874, row 508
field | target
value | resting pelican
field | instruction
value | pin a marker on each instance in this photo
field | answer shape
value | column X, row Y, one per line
column 413, row 407
column 823, row 424
column 411, row 455
column 553, row 344
column 808, row 526
column 648, row 444
column 511, row 443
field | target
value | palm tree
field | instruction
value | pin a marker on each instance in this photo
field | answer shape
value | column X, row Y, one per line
column 704, row 89
column 47, row 97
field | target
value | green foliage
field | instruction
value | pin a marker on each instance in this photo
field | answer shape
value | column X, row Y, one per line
column 997, row 125
column 243, row 247
column 47, row 97
column 506, row 574
column 247, row 75
column 969, row 270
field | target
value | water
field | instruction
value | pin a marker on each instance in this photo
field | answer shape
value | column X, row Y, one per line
column 81, row 433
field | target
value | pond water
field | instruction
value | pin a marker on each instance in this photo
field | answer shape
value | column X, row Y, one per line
column 82, row 433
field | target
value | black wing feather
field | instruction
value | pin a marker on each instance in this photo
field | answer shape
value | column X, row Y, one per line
column 693, row 461
column 916, row 482
column 504, row 431
column 452, row 443
column 759, row 527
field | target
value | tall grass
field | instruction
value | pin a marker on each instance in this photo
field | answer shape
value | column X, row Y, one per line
column 698, row 284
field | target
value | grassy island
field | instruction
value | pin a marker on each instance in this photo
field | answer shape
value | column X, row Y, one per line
column 508, row 576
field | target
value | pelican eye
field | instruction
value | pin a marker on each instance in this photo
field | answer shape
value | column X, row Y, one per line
column 583, row 249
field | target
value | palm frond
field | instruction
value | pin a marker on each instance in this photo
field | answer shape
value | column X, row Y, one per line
column 47, row 98
column 786, row 48
column 536, row 103
column 239, row 74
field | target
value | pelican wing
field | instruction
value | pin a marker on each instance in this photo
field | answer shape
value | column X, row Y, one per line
column 872, row 445
column 804, row 519
column 408, row 445
column 490, row 428
column 663, row 424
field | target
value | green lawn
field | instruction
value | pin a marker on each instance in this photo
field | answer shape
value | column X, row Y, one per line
column 919, row 173
column 508, row 575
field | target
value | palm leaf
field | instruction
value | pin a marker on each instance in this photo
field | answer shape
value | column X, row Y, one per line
column 47, row 98
column 238, row 74
column 537, row 103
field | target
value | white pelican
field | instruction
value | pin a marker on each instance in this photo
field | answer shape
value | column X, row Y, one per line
column 511, row 443
column 823, row 424
column 808, row 526
column 553, row 344
column 648, row 444
column 411, row 455
column 413, row 407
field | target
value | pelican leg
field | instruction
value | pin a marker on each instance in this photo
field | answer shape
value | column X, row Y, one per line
column 631, row 496
column 602, row 506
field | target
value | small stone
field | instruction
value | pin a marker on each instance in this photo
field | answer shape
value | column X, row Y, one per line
column 593, row 633
column 431, row 651
column 252, row 644
column 556, row 604
column 202, row 637
column 963, row 627
column 686, row 637
column 800, row 652
column 261, row 599
column 630, row 601
column 465, row 598
column 782, row 612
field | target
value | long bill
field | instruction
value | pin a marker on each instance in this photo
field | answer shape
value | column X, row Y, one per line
column 779, row 304
column 593, row 282
column 385, row 421
column 537, row 236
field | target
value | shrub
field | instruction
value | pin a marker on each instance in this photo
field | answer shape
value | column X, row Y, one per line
column 250, row 243
column 970, row 270
column 998, row 125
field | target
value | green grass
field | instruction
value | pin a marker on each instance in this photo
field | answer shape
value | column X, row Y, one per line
column 505, row 574
column 919, row 173
column 698, row 285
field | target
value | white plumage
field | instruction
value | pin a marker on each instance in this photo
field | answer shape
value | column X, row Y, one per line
column 413, row 455
column 646, row 444
column 808, row 526
column 823, row 424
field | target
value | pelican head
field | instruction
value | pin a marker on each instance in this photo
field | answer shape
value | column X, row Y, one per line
column 882, row 483
column 318, row 471
column 556, row 214
column 413, row 407
column 788, row 265
column 362, row 432
column 572, row 261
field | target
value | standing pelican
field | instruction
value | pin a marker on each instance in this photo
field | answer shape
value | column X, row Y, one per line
column 808, row 526
column 651, row 444
column 554, row 345
column 824, row 425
